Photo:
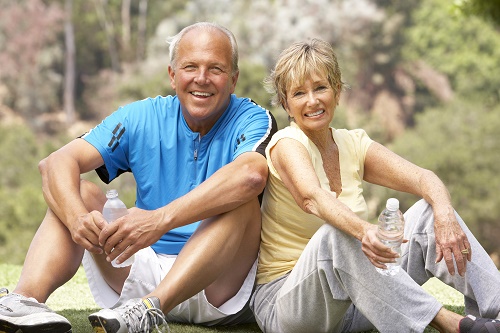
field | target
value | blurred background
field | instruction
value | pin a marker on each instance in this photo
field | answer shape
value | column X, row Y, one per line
column 423, row 76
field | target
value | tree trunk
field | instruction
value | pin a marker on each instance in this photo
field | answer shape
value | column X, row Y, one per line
column 126, row 27
column 109, row 29
column 70, row 67
column 141, row 33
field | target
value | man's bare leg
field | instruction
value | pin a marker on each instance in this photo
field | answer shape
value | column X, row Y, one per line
column 52, row 260
column 217, row 258
column 53, row 257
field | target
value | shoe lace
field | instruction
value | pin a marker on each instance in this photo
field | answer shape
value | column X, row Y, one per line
column 154, row 319
column 142, row 320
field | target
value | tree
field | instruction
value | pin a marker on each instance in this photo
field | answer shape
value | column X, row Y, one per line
column 486, row 9
column 101, row 7
column 30, row 55
column 21, row 202
column 459, row 143
column 126, row 27
column 141, row 30
column 465, row 49
column 70, row 68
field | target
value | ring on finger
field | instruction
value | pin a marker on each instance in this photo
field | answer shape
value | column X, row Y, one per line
column 465, row 251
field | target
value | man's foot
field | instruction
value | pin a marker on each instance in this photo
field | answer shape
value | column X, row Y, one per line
column 471, row 324
column 19, row 314
column 135, row 316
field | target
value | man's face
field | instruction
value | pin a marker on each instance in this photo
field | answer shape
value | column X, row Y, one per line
column 203, row 79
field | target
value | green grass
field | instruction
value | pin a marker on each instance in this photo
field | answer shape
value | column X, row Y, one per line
column 74, row 301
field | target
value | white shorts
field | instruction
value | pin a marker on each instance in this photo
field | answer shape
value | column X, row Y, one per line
column 148, row 270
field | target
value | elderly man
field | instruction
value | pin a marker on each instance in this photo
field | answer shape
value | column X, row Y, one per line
column 197, row 158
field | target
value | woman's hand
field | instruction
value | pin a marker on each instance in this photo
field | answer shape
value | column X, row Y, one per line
column 375, row 250
column 451, row 241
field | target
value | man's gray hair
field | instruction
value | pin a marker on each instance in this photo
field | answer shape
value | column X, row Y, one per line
column 174, row 42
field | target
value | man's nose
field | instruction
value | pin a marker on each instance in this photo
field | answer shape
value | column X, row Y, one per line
column 202, row 77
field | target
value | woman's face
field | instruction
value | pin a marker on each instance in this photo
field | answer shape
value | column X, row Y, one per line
column 312, row 104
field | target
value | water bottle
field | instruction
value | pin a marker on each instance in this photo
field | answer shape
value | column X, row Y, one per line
column 113, row 209
column 391, row 233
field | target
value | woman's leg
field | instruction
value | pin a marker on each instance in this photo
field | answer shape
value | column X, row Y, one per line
column 481, row 283
column 333, row 273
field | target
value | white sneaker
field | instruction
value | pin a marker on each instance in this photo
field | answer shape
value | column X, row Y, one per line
column 135, row 316
column 20, row 314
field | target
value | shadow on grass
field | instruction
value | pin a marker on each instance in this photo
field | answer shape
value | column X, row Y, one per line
column 80, row 323
column 78, row 319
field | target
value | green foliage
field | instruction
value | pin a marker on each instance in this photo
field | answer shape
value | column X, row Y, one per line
column 146, row 84
column 459, row 143
column 250, row 83
column 22, row 205
column 466, row 49
column 486, row 9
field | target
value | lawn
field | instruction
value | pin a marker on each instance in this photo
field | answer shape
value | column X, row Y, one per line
column 75, row 302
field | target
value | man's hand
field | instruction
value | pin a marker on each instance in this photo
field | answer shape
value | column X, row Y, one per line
column 130, row 233
column 451, row 242
column 86, row 230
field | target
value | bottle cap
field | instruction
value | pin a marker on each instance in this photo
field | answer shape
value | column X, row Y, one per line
column 392, row 204
column 111, row 194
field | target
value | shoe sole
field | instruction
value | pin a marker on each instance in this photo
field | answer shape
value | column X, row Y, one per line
column 103, row 325
column 6, row 327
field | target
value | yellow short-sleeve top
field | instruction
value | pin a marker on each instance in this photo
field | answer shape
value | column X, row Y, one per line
column 286, row 228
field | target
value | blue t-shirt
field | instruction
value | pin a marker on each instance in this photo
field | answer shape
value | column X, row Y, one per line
column 151, row 139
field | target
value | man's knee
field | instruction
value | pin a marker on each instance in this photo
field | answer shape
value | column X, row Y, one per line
column 92, row 196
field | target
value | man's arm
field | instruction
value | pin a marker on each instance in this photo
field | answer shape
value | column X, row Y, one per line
column 234, row 184
column 60, row 173
column 231, row 186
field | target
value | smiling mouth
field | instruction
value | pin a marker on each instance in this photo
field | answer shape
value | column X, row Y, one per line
column 317, row 113
column 201, row 94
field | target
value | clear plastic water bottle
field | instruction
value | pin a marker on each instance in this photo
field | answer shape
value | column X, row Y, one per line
column 391, row 233
column 113, row 209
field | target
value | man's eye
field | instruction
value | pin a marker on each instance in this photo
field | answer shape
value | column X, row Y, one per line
column 216, row 70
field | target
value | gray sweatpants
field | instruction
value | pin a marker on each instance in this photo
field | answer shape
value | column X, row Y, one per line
column 334, row 288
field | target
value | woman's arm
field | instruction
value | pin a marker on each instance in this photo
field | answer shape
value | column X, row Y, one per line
column 385, row 168
column 293, row 164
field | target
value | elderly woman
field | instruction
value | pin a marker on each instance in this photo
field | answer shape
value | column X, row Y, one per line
column 318, row 254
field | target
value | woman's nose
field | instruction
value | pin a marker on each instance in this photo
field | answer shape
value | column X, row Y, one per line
column 312, row 99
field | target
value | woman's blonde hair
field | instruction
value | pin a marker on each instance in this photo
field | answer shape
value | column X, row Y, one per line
column 298, row 62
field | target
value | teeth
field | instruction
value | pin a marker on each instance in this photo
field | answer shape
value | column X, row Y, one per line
column 315, row 113
column 199, row 93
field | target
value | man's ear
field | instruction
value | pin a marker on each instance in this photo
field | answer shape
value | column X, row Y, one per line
column 234, row 78
column 171, row 74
